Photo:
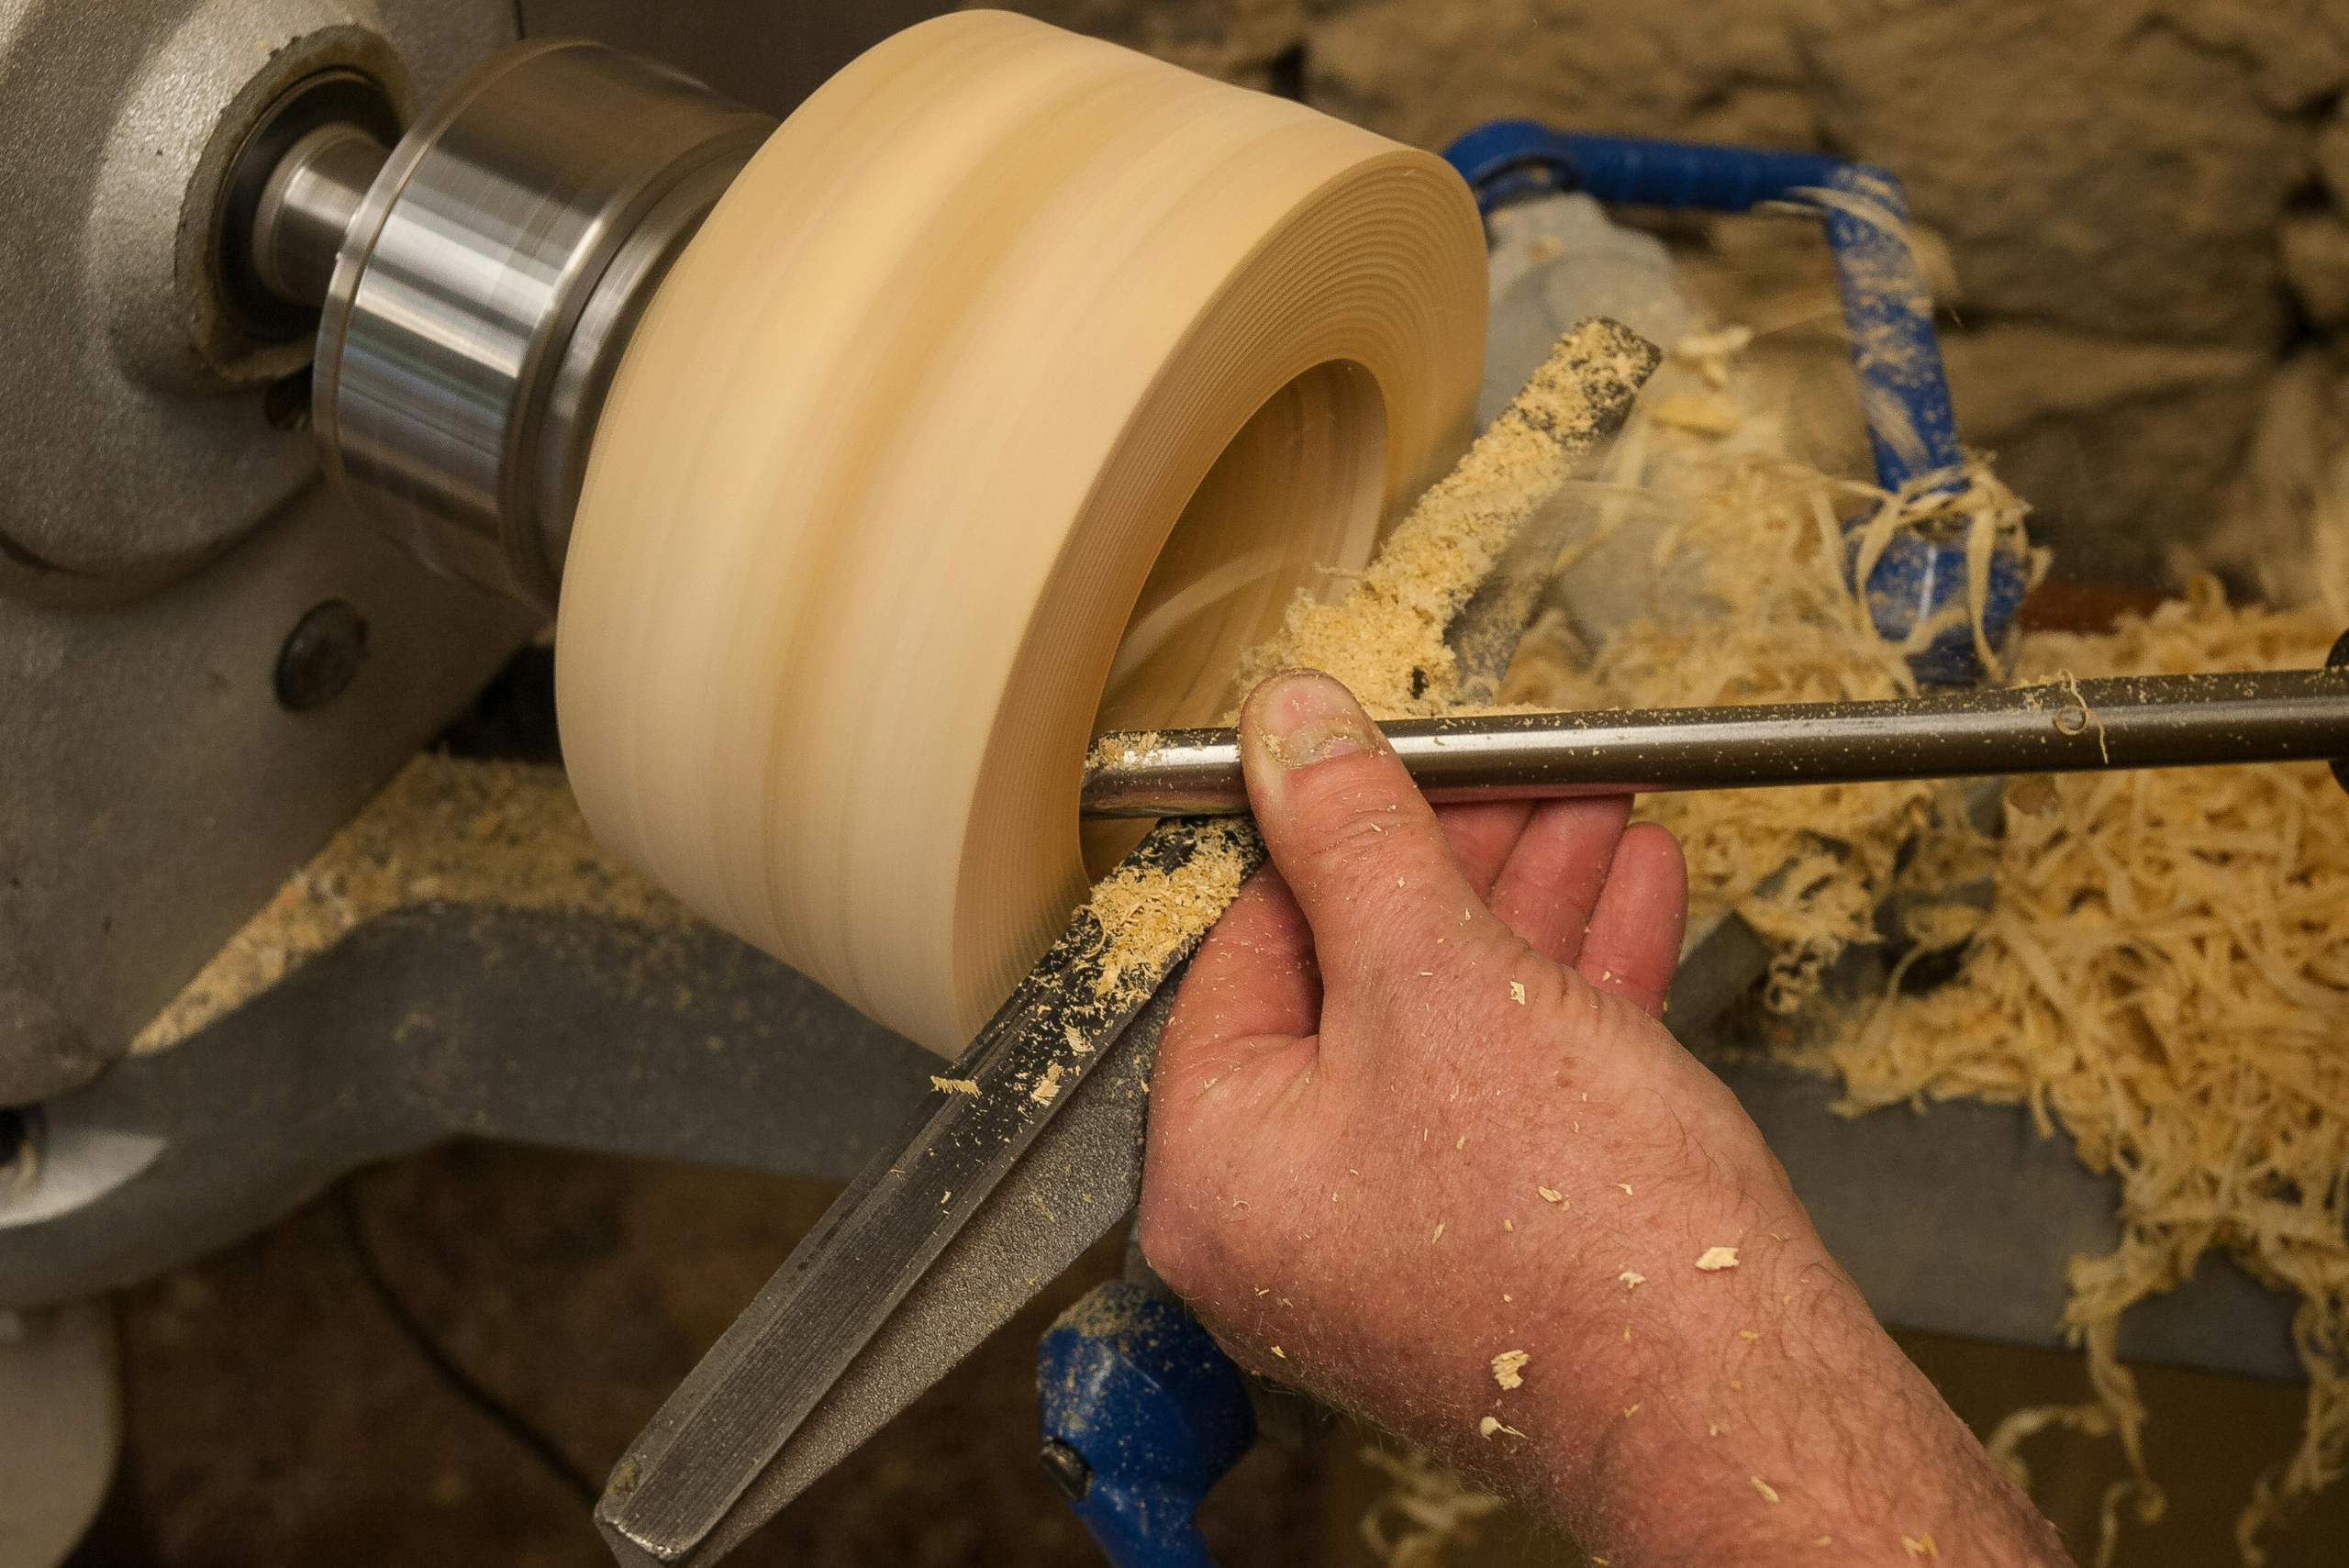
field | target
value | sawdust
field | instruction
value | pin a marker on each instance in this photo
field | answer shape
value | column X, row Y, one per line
column 1149, row 917
column 1508, row 1369
column 1385, row 637
column 1124, row 747
column 1758, row 612
column 443, row 831
column 2165, row 974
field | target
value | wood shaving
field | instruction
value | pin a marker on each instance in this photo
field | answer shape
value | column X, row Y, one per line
column 1919, row 1546
column 1517, row 992
column 2164, row 973
column 1508, row 1368
column 1769, row 1493
column 1718, row 1258
column 1632, row 1279
column 1048, row 1085
column 1425, row 1510
column 954, row 1085
column 1551, row 1195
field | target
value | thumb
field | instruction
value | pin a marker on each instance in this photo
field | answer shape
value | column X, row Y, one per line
column 1350, row 832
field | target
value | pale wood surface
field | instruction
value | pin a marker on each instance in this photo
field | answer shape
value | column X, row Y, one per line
column 894, row 456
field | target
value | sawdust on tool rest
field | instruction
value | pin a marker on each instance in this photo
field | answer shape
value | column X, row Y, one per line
column 442, row 830
column 1124, row 749
column 1148, row 916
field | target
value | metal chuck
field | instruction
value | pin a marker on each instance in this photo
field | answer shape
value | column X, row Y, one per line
column 478, row 284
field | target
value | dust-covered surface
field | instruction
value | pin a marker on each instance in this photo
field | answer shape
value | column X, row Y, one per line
column 443, row 829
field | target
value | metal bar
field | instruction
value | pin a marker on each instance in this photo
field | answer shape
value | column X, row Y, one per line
column 2157, row 721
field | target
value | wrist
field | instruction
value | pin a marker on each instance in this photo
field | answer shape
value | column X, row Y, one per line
column 1778, row 1418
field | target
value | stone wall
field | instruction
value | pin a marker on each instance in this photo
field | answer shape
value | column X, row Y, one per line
column 2143, row 201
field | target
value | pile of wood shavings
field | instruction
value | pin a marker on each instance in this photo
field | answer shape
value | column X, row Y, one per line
column 443, row 829
column 1759, row 613
column 1424, row 1510
column 2164, row 972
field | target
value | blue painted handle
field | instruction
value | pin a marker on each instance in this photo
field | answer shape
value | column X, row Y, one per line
column 1888, row 309
column 1153, row 1410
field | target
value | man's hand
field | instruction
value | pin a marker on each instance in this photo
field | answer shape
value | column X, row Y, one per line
column 1419, row 1145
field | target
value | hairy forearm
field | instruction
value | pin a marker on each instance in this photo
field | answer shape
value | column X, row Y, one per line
column 1775, row 1415
column 1671, row 1409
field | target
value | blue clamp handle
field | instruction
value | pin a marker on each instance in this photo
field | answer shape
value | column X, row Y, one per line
column 1887, row 310
column 1141, row 1415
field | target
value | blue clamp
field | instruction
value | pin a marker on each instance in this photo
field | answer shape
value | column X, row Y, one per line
column 1141, row 1415
column 1888, row 309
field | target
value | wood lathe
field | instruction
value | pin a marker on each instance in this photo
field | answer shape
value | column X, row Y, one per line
column 874, row 465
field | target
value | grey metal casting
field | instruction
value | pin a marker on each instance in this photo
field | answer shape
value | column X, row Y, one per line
column 161, row 533
column 582, row 1031
column 571, row 1029
column 155, row 791
column 134, row 446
